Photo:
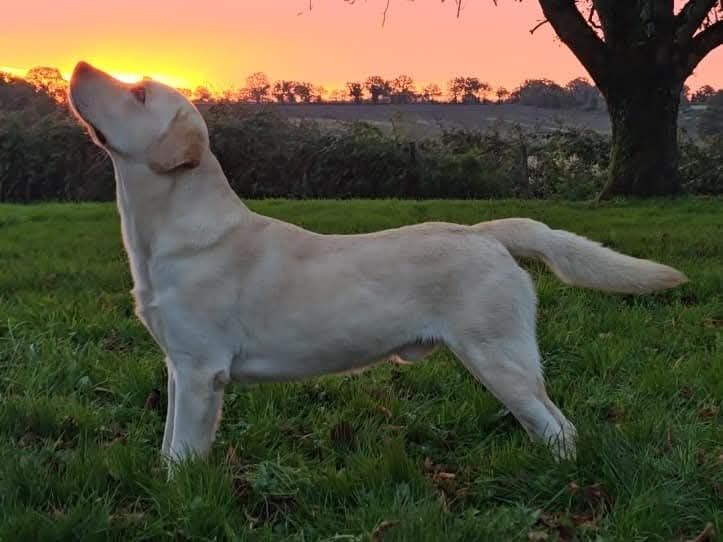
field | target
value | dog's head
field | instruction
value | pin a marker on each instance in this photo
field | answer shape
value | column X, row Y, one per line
column 145, row 123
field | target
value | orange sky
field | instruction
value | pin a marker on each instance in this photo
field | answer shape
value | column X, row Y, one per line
column 219, row 42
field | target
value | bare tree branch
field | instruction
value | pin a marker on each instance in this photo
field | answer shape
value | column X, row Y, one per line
column 690, row 19
column 704, row 43
column 591, row 17
column 386, row 9
column 538, row 25
column 459, row 5
column 573, row 30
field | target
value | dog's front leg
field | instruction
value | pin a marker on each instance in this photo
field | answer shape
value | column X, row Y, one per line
column 198, row 397
column 168, row 430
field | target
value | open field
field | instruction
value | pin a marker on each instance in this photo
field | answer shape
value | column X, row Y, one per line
column 413, row 453
column 427, row 120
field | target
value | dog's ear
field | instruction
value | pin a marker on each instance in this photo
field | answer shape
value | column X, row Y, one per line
column 180, row 146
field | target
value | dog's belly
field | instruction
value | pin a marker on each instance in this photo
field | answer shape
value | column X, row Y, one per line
column 413, row 352
column 279, row 365
column 283, row 367
column 308, row 332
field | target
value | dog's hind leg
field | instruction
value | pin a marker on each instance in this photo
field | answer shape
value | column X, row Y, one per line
column 504, row 356
column 168, row 430
column 198, row 397
column 512, row 375
column 504, row 373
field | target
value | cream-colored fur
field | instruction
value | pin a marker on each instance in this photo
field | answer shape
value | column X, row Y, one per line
column 230, row 295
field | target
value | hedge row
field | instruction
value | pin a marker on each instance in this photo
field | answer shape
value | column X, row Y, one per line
column 265, row 155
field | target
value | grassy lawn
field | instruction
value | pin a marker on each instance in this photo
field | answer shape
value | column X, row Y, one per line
column 413, row 453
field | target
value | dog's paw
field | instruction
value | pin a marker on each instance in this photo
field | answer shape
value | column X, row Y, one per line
column 563, row 444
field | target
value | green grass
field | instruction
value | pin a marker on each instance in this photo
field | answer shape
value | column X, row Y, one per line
column 82, row 400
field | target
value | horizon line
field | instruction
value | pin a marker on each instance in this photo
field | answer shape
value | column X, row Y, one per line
column 217, row 91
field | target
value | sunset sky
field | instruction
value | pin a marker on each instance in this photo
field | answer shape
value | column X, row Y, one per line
column 219, row 42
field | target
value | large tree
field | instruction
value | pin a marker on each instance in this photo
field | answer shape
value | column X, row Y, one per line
column 431, row 93
column 257, row 87
column 283, row 91
column 356, row 91
column 17, row 94
column 468, row 90
column 304, row 91
column 377, row 87
column 50, row 81
column 402, row 90
column 639, row 53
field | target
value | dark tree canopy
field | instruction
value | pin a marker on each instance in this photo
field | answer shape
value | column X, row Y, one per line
column 377, row 87
column 49, row 80
column 356, row 91
column 17, row 94
column 257, row 86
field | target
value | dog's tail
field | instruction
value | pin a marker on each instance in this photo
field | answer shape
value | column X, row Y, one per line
column 579, row 261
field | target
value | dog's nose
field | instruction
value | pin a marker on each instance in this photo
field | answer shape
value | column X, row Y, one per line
column 82, row 70
column 82, row 67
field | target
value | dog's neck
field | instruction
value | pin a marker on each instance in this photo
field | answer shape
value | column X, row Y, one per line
column 166, row 213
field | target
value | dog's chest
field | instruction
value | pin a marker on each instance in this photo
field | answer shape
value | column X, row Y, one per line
column 144, row 294
column 147, row 307
column 147, row 295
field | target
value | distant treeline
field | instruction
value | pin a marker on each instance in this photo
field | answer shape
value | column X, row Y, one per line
column 375, row 89
column 44, row 155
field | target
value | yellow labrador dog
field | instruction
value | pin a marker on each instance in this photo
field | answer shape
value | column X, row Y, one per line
column 230, row 295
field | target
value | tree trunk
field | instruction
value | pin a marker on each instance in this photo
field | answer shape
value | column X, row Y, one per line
column 644, row 145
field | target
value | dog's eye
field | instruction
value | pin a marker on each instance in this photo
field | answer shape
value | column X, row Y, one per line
column 139, row 93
